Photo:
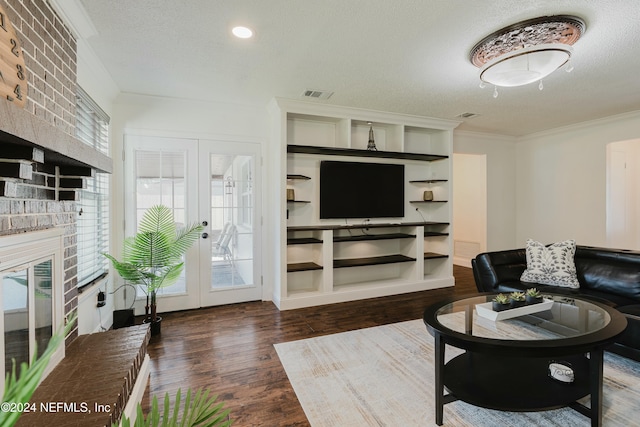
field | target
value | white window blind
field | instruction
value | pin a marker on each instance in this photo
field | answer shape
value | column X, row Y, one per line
column 92, row 127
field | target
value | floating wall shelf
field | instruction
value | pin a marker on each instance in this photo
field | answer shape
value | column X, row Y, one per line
column 327, row 151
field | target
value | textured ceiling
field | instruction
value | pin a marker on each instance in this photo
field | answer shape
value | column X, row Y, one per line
column 407, row 56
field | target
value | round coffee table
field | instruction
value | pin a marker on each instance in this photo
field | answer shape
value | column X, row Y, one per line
column 505, row 365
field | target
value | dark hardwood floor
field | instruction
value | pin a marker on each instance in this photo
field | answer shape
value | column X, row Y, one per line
column 229, row 349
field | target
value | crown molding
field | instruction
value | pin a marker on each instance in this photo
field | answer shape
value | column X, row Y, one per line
column 582, row 125
column 74, row 15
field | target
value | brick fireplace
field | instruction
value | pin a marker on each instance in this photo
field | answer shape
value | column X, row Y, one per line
column 42, row 163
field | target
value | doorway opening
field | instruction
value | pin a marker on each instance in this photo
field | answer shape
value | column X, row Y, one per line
column 469, row 207
column 622, row 201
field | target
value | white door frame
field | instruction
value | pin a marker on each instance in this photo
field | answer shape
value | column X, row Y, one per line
column 196, row 205
column 252, row 291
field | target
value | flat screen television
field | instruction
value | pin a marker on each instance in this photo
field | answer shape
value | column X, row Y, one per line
column 361, row 190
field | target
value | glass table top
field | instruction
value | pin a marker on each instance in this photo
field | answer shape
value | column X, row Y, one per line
column 567, row 317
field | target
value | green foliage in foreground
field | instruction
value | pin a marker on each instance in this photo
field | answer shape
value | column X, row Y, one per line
column 200, row 410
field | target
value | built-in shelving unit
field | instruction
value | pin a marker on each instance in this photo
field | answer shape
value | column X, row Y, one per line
column 327, row 261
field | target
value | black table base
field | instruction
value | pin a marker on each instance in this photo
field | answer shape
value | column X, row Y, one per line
column 517, row 383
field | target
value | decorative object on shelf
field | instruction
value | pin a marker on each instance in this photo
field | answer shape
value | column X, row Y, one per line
column 291, row 195
column 13, row 72
column 527, row 51
column 533, row 296
column 427, row 195
column 371, row 145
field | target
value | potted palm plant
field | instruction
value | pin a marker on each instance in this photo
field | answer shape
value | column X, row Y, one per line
column 153, row 257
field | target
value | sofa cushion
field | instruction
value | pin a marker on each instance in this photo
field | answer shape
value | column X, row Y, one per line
column 609, row 270
column 551, row 265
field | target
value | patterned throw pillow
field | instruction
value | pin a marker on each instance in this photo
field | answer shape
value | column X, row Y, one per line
column 552, row 265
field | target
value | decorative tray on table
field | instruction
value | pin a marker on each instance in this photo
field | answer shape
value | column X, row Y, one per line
column 485, row 310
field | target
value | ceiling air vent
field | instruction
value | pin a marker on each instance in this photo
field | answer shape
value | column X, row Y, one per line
column 467, row 115
column 317, row 94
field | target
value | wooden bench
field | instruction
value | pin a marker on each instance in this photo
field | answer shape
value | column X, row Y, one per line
column 103, row 376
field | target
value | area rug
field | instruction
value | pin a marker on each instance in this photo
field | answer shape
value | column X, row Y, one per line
column 383, row 376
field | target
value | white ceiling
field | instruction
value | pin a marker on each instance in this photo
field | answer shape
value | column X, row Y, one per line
column 407, row 56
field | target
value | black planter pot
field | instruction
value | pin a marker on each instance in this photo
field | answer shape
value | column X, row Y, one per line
column 516, row 304
column 496, row 306
column 533, row 300
column 156, row 327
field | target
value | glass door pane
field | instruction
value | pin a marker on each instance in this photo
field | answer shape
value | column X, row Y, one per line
column 163, row 170
column 231, row 221
column 43, row 304
column 15, row 288
column 160, row 180
column 229, row 258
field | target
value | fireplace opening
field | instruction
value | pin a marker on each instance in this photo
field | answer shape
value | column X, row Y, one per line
column 32, row 296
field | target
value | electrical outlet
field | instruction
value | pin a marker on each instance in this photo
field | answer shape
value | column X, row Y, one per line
column 102, row 299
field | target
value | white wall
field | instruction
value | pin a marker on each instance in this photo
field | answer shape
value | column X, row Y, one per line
column 501, row 183
column 561, row 180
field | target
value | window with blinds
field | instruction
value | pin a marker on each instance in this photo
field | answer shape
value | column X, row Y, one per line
column 92, row 127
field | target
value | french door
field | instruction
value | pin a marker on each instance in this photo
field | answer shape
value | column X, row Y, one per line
column 212, row 183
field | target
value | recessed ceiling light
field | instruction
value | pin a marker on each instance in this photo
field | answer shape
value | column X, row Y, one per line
column 242, row 32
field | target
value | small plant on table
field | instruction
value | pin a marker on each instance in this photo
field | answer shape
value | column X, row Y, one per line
column 517, row 299
column 500, row 302
column 533, row 296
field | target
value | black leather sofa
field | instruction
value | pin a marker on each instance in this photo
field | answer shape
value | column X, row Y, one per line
column 611, row 276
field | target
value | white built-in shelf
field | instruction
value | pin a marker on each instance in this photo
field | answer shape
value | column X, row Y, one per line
column 322, row 261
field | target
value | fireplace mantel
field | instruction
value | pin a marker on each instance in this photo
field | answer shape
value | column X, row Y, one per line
column 18, row 126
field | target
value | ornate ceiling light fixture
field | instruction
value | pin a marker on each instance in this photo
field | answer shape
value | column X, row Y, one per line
column 527, row 52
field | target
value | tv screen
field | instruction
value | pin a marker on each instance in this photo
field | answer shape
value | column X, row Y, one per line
column 361, row 190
